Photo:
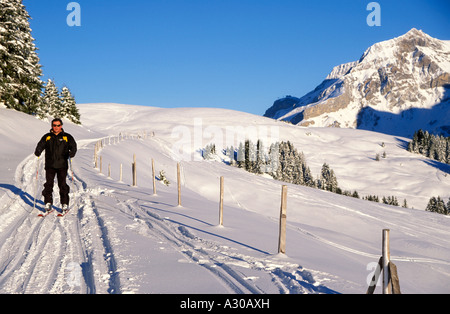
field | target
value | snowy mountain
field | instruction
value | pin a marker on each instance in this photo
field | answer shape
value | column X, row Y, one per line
column 123, row 239
column 397, row 87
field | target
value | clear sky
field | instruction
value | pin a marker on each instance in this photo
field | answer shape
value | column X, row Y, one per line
column 235, row 54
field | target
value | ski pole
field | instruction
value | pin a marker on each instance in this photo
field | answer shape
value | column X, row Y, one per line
column 36, row 184
column 71, row 170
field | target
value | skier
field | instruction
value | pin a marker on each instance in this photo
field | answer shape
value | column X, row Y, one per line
column 58, row 146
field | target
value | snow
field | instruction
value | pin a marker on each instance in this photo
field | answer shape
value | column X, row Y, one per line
column 123, row 239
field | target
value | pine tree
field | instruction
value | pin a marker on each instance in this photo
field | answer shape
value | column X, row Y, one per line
column 241, row 156
column 431, row 206
column 440, row 206
column 51, row 103
column 328, row 180
column 437, row 205
column 20, row 71
column 67, row 102
column 260, row 158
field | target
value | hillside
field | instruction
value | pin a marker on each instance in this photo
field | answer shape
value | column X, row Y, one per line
column 123, row 239
column 397, row 87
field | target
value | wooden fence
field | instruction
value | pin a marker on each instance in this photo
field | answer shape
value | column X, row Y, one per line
column 386, row 267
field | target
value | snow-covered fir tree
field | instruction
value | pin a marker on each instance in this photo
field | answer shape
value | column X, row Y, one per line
column 209, row 151
column 241, row 156
column 51, row 103
column 328, row 180
column 69, row 108
column 20, row 71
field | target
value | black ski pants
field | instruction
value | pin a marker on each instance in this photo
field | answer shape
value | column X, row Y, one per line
column 64, row 189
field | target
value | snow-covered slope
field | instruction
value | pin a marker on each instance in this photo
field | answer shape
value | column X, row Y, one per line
column 397, row 87
column 124, row 239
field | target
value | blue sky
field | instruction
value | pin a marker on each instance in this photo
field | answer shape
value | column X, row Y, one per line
column 235, row 54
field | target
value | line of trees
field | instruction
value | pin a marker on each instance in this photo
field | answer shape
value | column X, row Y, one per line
column 58, row 104
column 21, row 87
column 432, row 146
column 285, row 163
column 437, row 205
column 282, row 161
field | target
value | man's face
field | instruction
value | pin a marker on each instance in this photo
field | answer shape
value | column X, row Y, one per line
column 56, row 126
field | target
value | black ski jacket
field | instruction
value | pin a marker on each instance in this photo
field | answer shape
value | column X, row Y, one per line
column 58, row 149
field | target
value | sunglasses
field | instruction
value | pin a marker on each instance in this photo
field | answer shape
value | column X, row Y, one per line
column 56, row 125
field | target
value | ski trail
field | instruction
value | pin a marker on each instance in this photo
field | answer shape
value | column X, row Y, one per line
column 53, row 254
column 33, row 250
column 223, row 262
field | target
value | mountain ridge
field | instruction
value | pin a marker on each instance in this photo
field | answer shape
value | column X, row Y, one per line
column 396, row 87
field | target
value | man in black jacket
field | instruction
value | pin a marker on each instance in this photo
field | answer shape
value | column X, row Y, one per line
column 58, row 146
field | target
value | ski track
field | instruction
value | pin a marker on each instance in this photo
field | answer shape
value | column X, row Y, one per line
column 52, row 254
column 75, row 254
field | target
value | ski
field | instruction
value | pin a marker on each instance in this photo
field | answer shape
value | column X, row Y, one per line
column 63, row 213
column 46, row 214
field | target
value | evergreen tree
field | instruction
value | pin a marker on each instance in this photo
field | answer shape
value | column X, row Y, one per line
column 274, row 159
column 69, row 108
column 328, row 180
column 51, row 103
column 437, row 205
column 20, row 71
column 241, row 156
column 405, row 204
column 260, row 158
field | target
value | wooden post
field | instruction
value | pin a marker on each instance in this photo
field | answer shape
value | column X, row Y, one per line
column 391, row 282
column 109, row 170
column 221, row 201
column 121, row 173
column 134, row 170
column 153, row 176
column 386, row 257
column 282, row 234
column 101, row 161
column 95, row 157
column 179, row 183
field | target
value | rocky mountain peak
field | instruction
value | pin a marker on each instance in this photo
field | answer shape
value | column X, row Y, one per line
column 396, row 87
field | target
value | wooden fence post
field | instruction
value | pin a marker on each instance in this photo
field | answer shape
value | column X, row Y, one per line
column 121, row 173
column 179, row 183
column 282, row 234
column 153, row 176
column 386, row 257
column 221, row 201
column 391, row 282
column 134, row 170
column 101, row 162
